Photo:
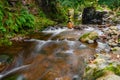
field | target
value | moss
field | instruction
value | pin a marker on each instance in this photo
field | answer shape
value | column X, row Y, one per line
column 93, row 74
column 88, row 36
column 42, row 23
column 11, row 77
column 114, row 49
column 5, row 42
column 119, row 40
column 56, row 12
column 6, row 58
column 97, row 74
column 118, row 13
column 115, row 69
column 85, row 35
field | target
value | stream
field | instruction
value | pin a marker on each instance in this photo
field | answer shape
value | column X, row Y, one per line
column 53, row 54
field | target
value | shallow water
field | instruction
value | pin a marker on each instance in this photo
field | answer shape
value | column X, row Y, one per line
column 53, row 54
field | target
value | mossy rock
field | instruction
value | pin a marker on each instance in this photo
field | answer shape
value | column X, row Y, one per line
column 93, row 74
column 89, row 36
column 107, row 73
column 109, row 76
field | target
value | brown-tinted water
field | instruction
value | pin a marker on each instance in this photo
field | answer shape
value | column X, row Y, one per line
column 47, row 56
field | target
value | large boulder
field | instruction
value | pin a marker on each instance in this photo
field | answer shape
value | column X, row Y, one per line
column 91, row 16
column 89, row 37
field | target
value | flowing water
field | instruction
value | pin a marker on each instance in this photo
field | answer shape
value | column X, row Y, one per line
column 49, row 55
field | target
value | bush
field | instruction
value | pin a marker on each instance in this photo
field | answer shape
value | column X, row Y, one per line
column 14, row 21
column 110, row 3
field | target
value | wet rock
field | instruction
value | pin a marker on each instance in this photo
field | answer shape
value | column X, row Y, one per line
column 90, row 41
column 78, row 27
column 82, row 46
column 111, row 18
column 89, row 37
column 91, row 16
column 103, row 47
column 112, row 36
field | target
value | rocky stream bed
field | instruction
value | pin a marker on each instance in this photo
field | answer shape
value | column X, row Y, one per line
column 87, row 52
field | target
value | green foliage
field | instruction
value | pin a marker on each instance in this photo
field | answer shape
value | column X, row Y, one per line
column 118, row 14
column 42, row 22
column 62, row 13
column 54, row 11
column 94, row 74
column 97, row 74
column 14, row 20
column 2, row 29
column 78, row 4
column 5, row 41
column 6, row 58
column 41, row 14
column 110, row 3
column 11, row 77
column 71, row 3
column 26, row 19
column 81, row 4
column 115, row 69
column 85, row 35
column 89, row 36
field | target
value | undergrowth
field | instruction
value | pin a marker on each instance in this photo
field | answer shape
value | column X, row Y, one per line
column 19, row 20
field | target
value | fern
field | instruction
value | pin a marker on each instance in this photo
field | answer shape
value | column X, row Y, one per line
column 2, row 29
column 18, row 22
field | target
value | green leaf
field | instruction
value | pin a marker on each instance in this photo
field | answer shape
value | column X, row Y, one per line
column 2, row 29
